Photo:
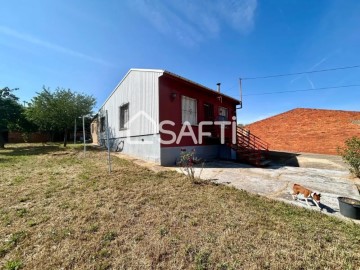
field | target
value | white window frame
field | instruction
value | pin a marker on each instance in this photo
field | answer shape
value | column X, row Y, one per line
column 223, row 113
column 189, row 110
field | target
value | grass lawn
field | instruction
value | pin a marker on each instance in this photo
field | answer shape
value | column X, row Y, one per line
column 60, row 210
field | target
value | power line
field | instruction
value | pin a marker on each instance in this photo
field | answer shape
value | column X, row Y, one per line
column 303, row 90
column 299, row 73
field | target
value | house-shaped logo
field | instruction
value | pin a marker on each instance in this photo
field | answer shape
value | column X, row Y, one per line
column 134, row 124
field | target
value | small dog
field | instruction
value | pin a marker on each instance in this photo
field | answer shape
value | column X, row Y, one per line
column 307, row 193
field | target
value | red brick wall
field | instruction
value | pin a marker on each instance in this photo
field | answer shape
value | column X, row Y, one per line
column 16, row 137
column 308, row 130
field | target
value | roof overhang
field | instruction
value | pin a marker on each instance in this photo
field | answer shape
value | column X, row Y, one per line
column 202, row 87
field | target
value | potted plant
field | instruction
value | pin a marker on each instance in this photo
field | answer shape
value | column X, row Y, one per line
column 349, row 207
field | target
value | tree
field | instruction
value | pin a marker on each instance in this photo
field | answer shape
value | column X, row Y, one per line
column 10, row 112
column 57, row 111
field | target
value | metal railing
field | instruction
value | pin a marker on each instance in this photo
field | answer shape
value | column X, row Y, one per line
column 250, row 147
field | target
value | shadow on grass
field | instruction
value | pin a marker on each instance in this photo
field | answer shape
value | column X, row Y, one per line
column 29, row 150
column 35, row 149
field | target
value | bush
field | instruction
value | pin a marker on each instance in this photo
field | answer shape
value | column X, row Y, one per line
column 351, row 154
column 186, row 163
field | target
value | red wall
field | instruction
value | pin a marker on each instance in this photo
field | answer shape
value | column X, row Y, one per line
column 308, row 130
column 170, row 108
column 35, row 137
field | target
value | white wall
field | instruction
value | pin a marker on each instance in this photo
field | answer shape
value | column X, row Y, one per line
column 143, row 147
column 139, row 88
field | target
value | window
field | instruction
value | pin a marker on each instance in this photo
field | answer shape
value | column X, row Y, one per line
column 208, row 112
column 223, row 114
column 102, row 124
column 124, row 116
column 189, row 110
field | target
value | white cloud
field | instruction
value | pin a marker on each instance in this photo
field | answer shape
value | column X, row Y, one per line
column 192, row 22
column 310, row 82
column 240, row 14
column 319, row 63
column 310, row 69
column 42, row 43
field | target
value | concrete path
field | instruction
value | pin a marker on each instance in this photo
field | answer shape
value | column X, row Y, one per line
column 276, row 182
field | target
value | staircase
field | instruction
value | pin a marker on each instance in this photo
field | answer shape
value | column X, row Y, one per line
column 250, row 148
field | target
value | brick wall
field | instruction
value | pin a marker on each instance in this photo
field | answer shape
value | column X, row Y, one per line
column 308, row 130
column 35, row 137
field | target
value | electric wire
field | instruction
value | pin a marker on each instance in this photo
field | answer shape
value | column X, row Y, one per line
column 303, row 90
column 299, row 73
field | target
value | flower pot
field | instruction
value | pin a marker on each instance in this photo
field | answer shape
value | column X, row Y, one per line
column 349, row 207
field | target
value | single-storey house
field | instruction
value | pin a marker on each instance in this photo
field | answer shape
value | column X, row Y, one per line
column 155, row 114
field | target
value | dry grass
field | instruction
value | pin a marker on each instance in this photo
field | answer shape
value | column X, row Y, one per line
column 60, row 210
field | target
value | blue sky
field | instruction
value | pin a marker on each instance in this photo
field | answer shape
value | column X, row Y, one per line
column 88, row 46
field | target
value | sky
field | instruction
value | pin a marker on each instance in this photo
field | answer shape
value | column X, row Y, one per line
column 88, row 47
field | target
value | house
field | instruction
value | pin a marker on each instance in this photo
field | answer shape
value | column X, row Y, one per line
column 155, row 114
column 308, row 130
column 94, row 129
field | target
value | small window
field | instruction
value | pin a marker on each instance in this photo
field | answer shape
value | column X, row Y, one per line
column 124, row 116
column 102, row 124
column 92, row 128
column 208, row 112
column 223, row 114
column 189, row 110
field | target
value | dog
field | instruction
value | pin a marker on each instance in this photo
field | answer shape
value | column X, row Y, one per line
column 307, row 193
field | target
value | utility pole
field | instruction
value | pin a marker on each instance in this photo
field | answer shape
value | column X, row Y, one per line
column 75, row 132
column 108, row 140
column 241, row 103
column 83, row 118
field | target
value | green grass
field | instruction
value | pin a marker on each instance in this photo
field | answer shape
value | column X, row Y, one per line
column 13, row 265
column 61, row 210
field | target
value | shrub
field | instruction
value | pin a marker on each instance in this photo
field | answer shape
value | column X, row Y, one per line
column 186, row 163
column 351, row 154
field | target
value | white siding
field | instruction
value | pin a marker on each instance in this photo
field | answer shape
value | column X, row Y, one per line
column 140, row 89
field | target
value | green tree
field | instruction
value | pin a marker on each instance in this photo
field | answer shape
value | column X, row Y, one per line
column 10, row 112
column 56, row 111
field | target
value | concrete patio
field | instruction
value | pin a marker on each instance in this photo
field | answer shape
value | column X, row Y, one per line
column 332, row 181
column 322, row 173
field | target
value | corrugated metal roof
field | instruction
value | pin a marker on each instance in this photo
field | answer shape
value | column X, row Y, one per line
column 173, row 75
